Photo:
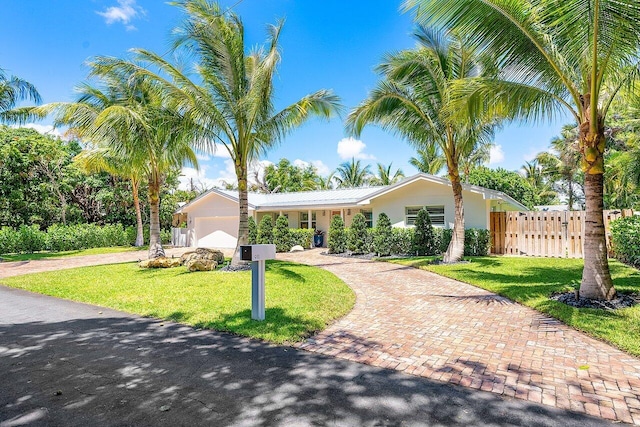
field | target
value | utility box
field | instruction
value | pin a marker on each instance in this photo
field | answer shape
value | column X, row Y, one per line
column 257, row 252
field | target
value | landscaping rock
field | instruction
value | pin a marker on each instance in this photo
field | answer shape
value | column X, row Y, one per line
column 621, row 301
column 162, row 262
column 297, row 248
column 203, row 254
column 201, row 265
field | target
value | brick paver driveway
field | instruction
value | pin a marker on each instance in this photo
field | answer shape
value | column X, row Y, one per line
column 423, row 324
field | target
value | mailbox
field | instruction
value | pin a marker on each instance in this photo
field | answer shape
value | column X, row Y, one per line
column 257, row 252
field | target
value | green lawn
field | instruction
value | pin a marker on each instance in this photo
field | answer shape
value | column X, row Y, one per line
column 66, row 254
column 530, row 281
column 299, row 299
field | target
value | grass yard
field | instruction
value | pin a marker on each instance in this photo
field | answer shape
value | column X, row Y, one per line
column 299, row 299
column 530, row 281
column 93, row 251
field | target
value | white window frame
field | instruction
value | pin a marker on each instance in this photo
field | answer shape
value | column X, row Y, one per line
column 368, row 217
column 304, row 220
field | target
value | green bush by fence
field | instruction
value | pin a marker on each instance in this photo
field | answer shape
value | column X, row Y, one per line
column 625, row 240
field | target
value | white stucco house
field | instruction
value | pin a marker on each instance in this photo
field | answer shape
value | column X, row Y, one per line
column 212, row 218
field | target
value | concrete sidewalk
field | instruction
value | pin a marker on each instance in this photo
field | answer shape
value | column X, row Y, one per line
column 69, row 364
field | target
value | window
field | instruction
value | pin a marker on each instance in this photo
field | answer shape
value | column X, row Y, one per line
column 368, row 218
column 436, row 213
column 304, row 220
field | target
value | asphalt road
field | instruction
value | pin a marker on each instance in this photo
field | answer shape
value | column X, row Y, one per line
column 68, row 364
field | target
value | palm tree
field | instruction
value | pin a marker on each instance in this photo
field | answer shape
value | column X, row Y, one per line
column 479, row 156
column 414, row 100
column 538, row 177
column 561, row 165
column 132, row 129
column 570, row 55
column 385, row 177
column 230, row 100
column 13, row 90
column 100, row 158
column 326, row 183
column 352, row 174
column 429, row 159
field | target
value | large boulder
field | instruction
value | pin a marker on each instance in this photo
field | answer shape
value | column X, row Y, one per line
column 297, row 248
column 201, row 265
column 203, row 254
column 161, row 262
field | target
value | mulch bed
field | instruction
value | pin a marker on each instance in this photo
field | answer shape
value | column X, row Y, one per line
column 621, row 301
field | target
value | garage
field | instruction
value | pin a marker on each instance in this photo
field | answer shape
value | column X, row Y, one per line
column 216, row 232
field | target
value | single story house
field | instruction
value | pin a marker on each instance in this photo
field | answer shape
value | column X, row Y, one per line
column 212, row 218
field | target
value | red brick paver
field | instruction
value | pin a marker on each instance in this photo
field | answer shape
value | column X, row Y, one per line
column 423, row 324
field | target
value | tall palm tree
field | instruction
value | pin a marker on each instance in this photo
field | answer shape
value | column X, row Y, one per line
column 414, row 100
column 385, row 175
column 538, row 177
column 429, row 159
column 479, row 156
column 229, row 94
column 352, row 174
column 13, row 90
column 570, row 55
column 125, row 118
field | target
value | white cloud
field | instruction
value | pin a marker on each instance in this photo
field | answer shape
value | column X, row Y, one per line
column 125, row 12
column 221, row 151
column 203, row 157
column 190, row 177
column 321, row 168
column 496, row 155
column 352, row 148
column 43, row 129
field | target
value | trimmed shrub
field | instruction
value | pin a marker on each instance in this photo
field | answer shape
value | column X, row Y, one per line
column 31, row 239
column 357, row 235
column 337, row 238
column 477, row 241
column 383, row 238
column 424, row 242
column 402, row 241
column 253, row 231
column 265, row 230
column 281, row 235
column 625, row 240
column 300, row 236
column 9, row 240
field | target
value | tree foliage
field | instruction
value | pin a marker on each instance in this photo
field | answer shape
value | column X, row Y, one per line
column 357, row 235
column 337, row 236
column 511, row 183
column 423, row 242
column 286, row 177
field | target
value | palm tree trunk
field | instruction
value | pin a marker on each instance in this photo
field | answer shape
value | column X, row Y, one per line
column 455, row 251
column 136, row 204
column 155, row 243
column 243, row 226
column 596, row 278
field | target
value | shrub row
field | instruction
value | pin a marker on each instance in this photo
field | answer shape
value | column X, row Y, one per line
column 281, row 235
column 385, row 240
column 625, row 240
column 29, row 239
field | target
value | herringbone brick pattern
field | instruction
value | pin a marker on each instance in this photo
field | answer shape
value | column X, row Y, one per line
column 423, row 324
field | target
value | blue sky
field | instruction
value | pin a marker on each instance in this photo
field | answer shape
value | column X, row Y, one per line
column 331, row 44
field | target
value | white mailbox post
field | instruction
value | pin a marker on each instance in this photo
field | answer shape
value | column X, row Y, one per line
column 257, row 254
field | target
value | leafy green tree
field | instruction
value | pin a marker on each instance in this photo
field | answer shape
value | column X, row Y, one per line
column 357, row 236
column 287, row 178
column 12, row 90
column 352, row 174
column 415, row 100
column 265, row 230
column 281, row 234
column 423, row 237
column 572, row 56
column 337, row 236
column 429, row 159
column 537, row 176
column 383, row 235
column 385, row 175
column 253, row 231
column 228, row 94
column 509, row 182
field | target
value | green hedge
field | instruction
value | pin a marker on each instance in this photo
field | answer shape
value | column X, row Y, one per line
column 57, row 238
column 625, row 240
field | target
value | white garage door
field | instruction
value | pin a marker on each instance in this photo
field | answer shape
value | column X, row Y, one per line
column 218, row 232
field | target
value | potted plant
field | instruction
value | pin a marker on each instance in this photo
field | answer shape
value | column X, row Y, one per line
column 318, row 238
